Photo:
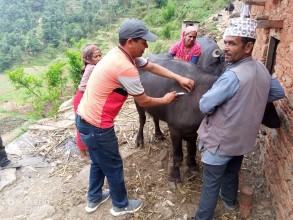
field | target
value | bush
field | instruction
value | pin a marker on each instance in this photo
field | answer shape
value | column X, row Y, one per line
column 166, row 32
column 161, row 3
column 168, row 12
column 153, row 19
column 44, row 92
column 159, row 47
column 74, row 66
column 55, row 77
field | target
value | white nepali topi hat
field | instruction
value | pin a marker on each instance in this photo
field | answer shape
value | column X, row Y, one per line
column 241, row 27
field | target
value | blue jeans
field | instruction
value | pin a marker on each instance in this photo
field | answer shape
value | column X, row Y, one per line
column 106, row 161
column 216, row 177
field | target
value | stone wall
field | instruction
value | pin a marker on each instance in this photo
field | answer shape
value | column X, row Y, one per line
column 278, row 150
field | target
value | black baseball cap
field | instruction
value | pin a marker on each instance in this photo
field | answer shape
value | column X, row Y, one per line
column 134, row 28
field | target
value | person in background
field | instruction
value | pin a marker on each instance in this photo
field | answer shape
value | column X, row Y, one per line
column 91, row 55
column 229, row 8
column 114, row 78
column 4, row 161
column 245, row 10
column 187, row 48
column 233, row 108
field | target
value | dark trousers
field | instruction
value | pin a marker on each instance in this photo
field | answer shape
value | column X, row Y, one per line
column 106, row 161
column 4, row 161
column 215, row 178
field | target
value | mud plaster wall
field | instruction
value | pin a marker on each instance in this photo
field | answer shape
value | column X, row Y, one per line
column 278, row 148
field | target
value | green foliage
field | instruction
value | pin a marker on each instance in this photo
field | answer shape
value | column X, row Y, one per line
column 7, row 92
column 41, row 30
column 159, row 47
column 33, row 44
column 33, row 28
column 168, row 12
column 166, row 32
column 153, row 19
column 30, row 28
column 75, row 64
column 21, row 80
column 5, row 61
column 55, row 77
column 170, row 31
column 199, row 10
column 161, row 3
column 73, row 32
column 44, row 92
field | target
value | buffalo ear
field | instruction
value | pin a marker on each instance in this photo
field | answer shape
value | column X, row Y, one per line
column 216, row 53
column 271, row 118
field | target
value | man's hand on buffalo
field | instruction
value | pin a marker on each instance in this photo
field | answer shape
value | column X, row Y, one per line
column 186, row 83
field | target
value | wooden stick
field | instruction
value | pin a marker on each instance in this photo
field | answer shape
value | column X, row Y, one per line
column 129, row 145
column 56, row 145
column 67, row 160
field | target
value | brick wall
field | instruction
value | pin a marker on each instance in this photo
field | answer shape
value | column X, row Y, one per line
column 278, row 148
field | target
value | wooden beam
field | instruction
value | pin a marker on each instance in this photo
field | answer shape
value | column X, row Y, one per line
column 261, row 17
column 270, row 23
column 256, row 2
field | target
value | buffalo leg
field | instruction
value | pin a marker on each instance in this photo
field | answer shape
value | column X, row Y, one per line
column 191, row 153
column 174, row 176
column 142, row 119
column 158, row 133
column 191, row 157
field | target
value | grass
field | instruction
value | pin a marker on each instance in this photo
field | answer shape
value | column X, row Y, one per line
column 8, row 92
column 20, row 105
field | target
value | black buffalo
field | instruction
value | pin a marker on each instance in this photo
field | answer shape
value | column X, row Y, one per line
column 183, row 115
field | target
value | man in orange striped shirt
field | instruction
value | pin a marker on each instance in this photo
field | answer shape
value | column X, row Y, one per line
column 112, row 80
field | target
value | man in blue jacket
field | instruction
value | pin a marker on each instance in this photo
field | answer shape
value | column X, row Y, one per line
column 234, row 108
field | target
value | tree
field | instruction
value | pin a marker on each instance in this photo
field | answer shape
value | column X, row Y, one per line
column 16, row 53
column 21, row 80
column 44, row 91
column 75, row 65
column 33, row 45
column 55, row 78
column 5, row 61
column 73, row 31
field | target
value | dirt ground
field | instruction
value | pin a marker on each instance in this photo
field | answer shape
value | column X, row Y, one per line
column 52, row 182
